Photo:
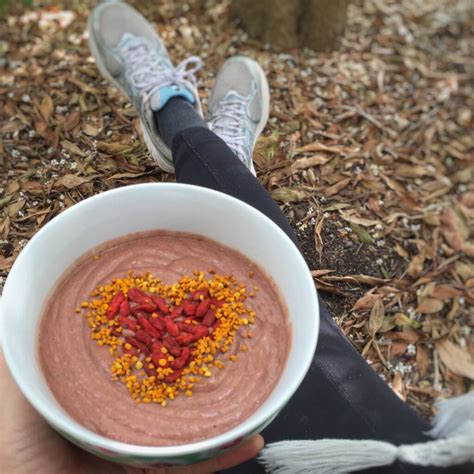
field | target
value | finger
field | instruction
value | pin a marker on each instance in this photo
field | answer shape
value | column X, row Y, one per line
column 247, row 450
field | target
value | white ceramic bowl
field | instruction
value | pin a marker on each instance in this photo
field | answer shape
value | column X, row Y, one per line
column 175, row 207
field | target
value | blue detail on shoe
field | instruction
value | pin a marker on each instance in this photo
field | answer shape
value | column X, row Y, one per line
column 168, row 92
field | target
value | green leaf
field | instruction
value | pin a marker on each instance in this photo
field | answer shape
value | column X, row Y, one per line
column 362, row 234
column 290, row 127
column 4, row 201
column 402, row 320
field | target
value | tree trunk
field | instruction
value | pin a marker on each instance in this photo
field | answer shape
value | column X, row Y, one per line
column 314, row 24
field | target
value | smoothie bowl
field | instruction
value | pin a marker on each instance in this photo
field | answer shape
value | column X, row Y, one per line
column 159, row 323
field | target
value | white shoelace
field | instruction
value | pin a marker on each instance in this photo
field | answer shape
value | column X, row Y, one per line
column 148, row 71
column 229, row 123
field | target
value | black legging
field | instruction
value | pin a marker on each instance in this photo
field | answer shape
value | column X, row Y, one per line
column 341, row 396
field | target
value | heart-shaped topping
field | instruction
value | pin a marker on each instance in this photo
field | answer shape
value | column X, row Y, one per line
column 163, row 338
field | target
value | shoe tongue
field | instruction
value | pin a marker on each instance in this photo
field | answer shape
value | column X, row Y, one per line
column 161, row 97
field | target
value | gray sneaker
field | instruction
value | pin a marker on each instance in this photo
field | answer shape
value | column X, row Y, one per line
column 130, row 54
column 239, row 106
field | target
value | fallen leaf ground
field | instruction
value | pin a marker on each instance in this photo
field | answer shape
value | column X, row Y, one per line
column 368, row 150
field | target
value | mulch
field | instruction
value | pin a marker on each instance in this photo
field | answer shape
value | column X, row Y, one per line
column 368, row 150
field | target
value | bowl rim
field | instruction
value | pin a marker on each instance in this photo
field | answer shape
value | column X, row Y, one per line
column 78, row 432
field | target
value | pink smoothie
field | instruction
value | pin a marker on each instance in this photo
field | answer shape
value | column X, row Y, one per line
column 77, row 370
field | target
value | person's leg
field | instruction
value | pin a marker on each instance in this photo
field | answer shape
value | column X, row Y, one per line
column 177, row 115
column 202, row 158
column 341, row 396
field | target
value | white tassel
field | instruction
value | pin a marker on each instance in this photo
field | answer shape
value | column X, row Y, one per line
column 452, row 414
column 455, row 421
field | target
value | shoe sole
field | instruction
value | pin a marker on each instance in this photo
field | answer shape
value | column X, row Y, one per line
column 160, row 159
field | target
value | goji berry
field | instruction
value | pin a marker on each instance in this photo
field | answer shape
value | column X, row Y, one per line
column 114, row 305
column 177, row 311
column 160, row 303
column 127, row 323
column 138, row 344
column 124, row 308
column 185, row 327
column 202, row 308
column 217, row 303
column 150, row 371
column 137, row 296
column 174, row 376
column 199, row 295
column 181, row 361
column 146, row 306
column 171, row 327
column 185, row 339
column 158, row 323
column 132, row 351
column 146, row 325
column 200, row 331
column 209, row 319
column 156, row 346
column 171, row 344
column 143, row 336
column 189, row 307
column 157, row 356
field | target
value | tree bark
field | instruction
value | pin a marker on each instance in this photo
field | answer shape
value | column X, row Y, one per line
column 315, row 24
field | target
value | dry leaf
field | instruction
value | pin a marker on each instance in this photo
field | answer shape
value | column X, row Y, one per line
column 422, row 360
column 318, row 240
column 352, row 216
column 334, row 207
column 365, row 302
column 400, row 250
column 71, row 120
column 398, row 387
column 73, row 148
column 368, row 280
column 411, row 171
column 320, row 273
column 387, row 324
column 397, row 348
column 6, row 263
column 304, row 163
column 290, row 194
column 4, row 227
column 430, row 306
column 121, row 176
column 70, row 181
column 318, row 146
column 455, row 231
column 91, row 129
column 12, row 126
column 47, row 108
column 114, row 148
column 335, row 188
column 82, row 85
column 444, row 292
column 455, row 359
column 409, row 335
column 416, row 265
column 376, row 317
column 16, row 207
column 464, row 269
